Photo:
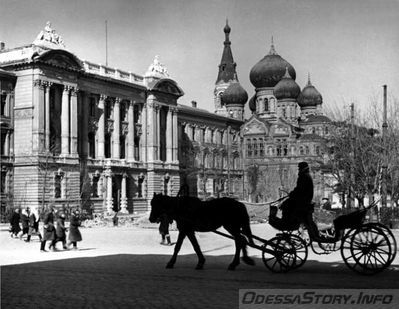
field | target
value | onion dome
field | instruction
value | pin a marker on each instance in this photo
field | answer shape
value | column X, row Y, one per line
column 286, row 88
column 234, row 94
column 252, row 103
column 270, row 70
column 309, row 96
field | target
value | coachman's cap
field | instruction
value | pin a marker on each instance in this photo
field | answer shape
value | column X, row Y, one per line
column 303, row 166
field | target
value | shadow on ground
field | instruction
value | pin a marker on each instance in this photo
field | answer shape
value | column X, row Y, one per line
column 141, row 281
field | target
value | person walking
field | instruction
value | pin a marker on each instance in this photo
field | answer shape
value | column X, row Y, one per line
column 164, row 222
column 14, row 222
column 33, row 226
column 48, row 229
column 74, row 234
column 25, row 222
column 60, row 232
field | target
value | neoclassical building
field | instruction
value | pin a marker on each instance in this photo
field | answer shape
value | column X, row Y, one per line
column 75, row 132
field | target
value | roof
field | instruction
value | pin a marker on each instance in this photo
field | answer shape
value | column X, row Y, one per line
column 315, row 119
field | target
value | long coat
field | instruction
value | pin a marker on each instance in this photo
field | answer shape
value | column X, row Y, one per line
column 302, row 195
column 14, row 222
column 60, row 229
column 33, row 224
column 74, row 233
column 48, row 227
column 25, row 221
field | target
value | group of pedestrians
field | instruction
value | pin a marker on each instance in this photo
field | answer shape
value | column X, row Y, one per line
column 57, row 232
column 29, row 221
column 54, row 228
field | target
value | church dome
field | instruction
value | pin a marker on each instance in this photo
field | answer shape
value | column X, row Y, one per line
column 309, row 96
column 252, row 103
column 286, row 88
column 269, row 71
column 234, row 94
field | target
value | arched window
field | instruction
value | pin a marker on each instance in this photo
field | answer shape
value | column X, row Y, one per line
column 261, row 147
column 307, row 150
column 301, row 152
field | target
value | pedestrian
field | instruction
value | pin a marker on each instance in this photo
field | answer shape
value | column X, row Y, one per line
column 164, row 222
column 74, row 234
column 60, row 232
column 25, row 222
column 14, row 222
column 48, row 229
column 33, row 226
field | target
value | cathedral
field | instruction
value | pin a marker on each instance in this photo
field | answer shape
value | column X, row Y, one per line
column 78, row 133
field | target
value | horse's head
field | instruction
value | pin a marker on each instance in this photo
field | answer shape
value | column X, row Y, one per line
column 158, row 207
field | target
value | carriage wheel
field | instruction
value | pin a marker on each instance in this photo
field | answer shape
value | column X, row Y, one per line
column 279, row 254
column 346, row 251
column 301, row 250
column 391, row 238
column 371, row 249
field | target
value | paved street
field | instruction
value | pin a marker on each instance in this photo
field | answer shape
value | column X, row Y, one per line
column 124, row 267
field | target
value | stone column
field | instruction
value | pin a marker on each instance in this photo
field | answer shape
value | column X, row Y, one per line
column 152, row 129
column 101, row 127
column 144, row 135
column 130, row 136
column 175, row 136
column 109, row 192
column 117, row 129
column 65, row 121
column 38, row 116
column 74, row 121
column 158, row 135
column 169, row 136
column 85, row 124
column 123, row 195
column 47, row 116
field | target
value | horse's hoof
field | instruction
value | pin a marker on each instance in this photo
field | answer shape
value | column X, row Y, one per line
column 169, row 266
column 247, row 260
column 232, row 267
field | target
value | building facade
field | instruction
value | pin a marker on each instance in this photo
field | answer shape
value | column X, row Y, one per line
column 75, row 132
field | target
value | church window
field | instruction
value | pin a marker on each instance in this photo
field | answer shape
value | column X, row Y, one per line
column 317, row 150
column 278, row 150
column 255, row 147
column 261, row 147
column 313, row 130
column 249, row 148
column 307, row 150
column 301, row 152
column 266, row 103
column 285, row 150
column 283, row 112
column 326, row 130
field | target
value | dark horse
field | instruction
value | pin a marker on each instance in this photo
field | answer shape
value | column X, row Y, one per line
column 192, row 215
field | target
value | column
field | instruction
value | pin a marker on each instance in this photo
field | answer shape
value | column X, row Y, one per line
column 175, row 136
column 130, row 136
column 123, row 195
column 6, row 151
column 47, row 115
column 85, row 124
column 158, row 135
column 152, row 129
column 117, row 129
column 101, row 127
column 74, row 122
column 169, row 136
column 144, row 137
column 109, row 192
column 38, row 116
column 65, row 121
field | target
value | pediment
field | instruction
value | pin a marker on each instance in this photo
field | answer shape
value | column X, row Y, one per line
column 255, row 127
column 167, row 85
column 60, row 58
column 281, row 129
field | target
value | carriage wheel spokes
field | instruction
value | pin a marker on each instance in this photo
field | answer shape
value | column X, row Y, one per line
column 371, row 249
column 279, row 254
column 301, row 250
column 346, row 254
column 391, row 237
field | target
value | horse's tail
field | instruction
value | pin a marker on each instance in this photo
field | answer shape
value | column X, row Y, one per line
column 245, row 225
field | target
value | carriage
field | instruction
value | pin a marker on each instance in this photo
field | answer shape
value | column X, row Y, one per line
column 366, row 247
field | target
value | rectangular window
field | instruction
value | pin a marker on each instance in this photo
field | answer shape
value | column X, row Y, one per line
column 57, row 186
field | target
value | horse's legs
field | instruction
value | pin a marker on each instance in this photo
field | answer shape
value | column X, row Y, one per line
column 246, row 258
column 197, row 249
column 237, row 240
column 179, row 242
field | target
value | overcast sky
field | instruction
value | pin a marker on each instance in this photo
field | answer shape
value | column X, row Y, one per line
column 349, row 47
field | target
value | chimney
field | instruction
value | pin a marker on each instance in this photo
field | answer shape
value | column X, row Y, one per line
column 2, row 46
column 194, row 104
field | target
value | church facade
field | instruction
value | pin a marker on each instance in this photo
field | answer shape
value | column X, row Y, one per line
column 75, row 132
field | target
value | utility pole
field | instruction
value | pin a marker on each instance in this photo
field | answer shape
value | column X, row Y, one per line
column 352, row 158
column 384, row 143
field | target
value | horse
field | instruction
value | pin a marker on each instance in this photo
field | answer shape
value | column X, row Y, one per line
column 193, row 215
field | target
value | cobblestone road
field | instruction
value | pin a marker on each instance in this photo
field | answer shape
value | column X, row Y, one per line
column 125, row 268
